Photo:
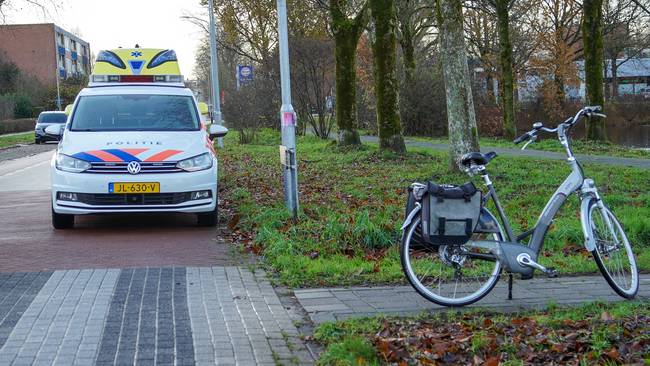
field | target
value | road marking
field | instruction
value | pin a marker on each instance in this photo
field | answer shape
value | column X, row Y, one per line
column 23, row 169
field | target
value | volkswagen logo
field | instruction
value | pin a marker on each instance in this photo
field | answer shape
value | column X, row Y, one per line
column 134, row 167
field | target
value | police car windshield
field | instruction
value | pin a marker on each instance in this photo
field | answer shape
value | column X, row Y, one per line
column 135, row 113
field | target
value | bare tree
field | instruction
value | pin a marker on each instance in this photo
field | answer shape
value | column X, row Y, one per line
column 312, row 64
column 45, row 6
column 626, row 35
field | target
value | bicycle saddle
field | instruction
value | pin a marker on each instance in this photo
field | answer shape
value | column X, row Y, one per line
column 477, row 158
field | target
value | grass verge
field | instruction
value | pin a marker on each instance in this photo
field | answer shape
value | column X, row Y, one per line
column 594, row 333
column 551, row 144
column 352, row 205
column 23, row 138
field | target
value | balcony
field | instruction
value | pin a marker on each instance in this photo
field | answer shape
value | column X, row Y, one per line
column 73, row 55
column 61, row 50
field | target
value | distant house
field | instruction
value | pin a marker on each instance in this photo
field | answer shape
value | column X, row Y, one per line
column 632, row 75
column 45, row 51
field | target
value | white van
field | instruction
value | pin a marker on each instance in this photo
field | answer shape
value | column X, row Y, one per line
column 134, row 144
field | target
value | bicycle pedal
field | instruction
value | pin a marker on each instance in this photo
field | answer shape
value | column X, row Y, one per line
column 551, row 272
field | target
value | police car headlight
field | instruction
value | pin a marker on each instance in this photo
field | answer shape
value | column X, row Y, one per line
column 199, row 162
column 70, row 164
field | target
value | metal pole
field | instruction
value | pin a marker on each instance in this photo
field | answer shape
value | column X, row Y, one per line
column 58, row 73
column 237, row 75
column 58, row 90
column 287, row 116
column 214, row 72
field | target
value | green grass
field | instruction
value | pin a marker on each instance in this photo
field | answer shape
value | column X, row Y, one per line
column 23, row 138
column 352, row 206
column 603, row 324
column 552, row 144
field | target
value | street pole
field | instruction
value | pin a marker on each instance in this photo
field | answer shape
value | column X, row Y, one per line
column 58, row 74
column 214, row 72
column 287, row 117
column 58, row 88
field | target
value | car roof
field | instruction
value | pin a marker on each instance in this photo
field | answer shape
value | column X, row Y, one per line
column 136, row 89
column 51, row 112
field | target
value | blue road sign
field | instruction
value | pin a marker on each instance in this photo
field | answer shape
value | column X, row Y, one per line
column 244, row 73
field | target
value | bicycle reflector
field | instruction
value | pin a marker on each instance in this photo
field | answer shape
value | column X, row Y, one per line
column 111, row 58
column 161, row 58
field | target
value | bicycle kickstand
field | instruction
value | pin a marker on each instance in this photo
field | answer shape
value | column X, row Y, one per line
column 509, row 286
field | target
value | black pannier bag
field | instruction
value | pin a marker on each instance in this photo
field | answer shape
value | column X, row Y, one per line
column 450, row 213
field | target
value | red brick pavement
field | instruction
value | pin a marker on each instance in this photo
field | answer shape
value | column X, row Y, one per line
column 29, row 243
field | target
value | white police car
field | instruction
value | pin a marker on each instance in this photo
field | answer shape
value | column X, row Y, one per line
column 135, row 141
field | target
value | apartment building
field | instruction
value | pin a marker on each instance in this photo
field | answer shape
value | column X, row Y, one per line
column 45, row 51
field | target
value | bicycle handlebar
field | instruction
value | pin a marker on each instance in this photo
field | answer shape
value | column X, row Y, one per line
column 588, row 111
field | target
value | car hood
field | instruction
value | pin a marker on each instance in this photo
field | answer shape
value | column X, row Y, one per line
column 150, row 146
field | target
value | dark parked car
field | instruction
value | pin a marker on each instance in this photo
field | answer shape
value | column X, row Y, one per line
column 46, row 119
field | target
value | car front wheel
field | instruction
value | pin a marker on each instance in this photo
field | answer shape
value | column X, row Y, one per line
column 62, row 221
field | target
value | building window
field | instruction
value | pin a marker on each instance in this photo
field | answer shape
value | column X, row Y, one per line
column 61, row 39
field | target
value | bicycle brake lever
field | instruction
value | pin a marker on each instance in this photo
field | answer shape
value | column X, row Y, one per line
column 532, row 139
column 599, row 115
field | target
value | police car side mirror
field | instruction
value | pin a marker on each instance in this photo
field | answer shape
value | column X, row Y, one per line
column 216, row 130
column 55, row 130
column 203, row 108
column 68, row 110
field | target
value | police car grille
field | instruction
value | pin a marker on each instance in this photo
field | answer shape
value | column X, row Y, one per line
column 109, row 199
column 121, row 168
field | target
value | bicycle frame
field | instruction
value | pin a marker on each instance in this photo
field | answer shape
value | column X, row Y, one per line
column 575, row 182
column 571, row 184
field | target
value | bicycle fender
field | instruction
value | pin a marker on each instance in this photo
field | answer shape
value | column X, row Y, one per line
column 411, row 215
column 486, row 223
column 590, row 242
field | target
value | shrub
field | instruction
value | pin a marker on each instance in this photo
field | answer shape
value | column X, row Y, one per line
column 23, row 107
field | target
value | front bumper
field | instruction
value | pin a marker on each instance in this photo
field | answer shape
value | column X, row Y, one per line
column 40, row 135
column 93, row 188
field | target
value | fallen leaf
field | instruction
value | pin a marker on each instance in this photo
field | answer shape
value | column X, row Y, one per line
column 492, row 361
column 606, row 317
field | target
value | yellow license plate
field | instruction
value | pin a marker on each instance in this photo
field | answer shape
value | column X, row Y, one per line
column 127, row 188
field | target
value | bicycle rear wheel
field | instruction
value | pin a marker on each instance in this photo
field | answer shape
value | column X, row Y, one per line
column 449, row 275
column 613, row 253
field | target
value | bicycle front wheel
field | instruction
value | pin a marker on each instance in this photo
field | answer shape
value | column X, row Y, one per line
column 613, row 253
column 449, row 275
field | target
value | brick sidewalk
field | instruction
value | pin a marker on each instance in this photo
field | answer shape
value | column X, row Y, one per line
column 328, row 304
column 146, row 316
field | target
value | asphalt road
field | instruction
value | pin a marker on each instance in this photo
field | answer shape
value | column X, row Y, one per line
column 29, row 243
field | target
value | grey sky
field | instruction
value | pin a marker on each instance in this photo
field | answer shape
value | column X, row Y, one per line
column 111, row 23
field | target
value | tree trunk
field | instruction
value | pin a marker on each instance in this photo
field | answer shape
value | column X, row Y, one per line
column 345, row 53
column 614, row 79
column 408, row 51
column 608, row 84
column 463, row 135
column 507, row 74
column 346, row 37
column 386, row 85
column 592, row 38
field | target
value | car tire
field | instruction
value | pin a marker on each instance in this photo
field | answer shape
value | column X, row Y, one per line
column 37, row 141
column 62, row 221
column 207, row 219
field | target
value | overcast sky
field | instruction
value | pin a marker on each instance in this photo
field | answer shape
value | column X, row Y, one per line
column 111, row 23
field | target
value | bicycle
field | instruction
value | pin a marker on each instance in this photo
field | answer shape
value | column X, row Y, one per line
column 458, row 275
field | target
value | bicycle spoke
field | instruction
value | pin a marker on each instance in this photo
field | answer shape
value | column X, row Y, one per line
column 613, row 251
